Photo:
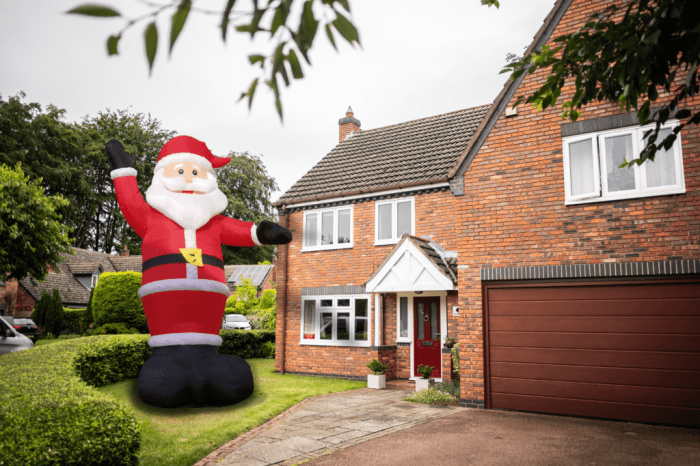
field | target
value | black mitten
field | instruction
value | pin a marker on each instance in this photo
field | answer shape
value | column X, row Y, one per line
column 117, row 156
column 271, row 233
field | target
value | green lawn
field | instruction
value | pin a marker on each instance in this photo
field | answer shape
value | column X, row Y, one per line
column 183, row 436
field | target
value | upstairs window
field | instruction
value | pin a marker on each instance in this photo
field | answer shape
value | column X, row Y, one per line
column 328, row 229
column 592, row 170
column 393, row 218
column 94, row 280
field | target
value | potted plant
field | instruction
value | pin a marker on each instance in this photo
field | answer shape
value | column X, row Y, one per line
column 426, row 382
column 449, row 342
column 377, row 379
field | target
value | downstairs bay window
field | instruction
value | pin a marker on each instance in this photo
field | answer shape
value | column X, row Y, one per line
column 592, row 170
column 335, row 320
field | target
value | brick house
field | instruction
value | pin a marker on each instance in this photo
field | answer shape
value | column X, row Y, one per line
column 577, row 283
column 76, row 276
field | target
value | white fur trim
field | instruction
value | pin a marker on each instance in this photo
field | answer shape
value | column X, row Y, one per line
column 191, row 242
column 180, row 284
column 170, row 339
column 119, row 172
column 254, row 235
column 184, row 157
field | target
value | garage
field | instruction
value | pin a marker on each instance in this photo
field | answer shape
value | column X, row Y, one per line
column 626, row 350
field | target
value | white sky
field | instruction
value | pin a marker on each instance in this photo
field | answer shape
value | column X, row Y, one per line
column 419, row 58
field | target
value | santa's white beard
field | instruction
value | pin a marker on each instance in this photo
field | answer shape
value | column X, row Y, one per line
column 190, row 211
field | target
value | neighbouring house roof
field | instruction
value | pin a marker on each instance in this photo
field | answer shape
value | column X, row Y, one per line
column 83, row 262
column 414, row 153
column 414, row 264
column 257, row 273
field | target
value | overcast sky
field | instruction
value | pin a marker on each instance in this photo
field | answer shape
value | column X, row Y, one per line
column 418, row 59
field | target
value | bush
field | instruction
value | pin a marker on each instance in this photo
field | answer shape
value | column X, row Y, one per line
column 376, row 367
column 267, row 350
column 39, row 312
column 114, row 329
column 432, row 396
column 110, row 359
column 425, row 371
column 49, row 416
column 53, row 317
column 74, row 319
column 245, row 343
column 450, row 387
column 268, row 299
column 116, row 301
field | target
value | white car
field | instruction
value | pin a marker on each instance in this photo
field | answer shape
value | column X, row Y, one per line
column 235, row 322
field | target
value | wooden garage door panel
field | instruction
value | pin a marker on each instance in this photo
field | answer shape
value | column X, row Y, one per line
column 596, row 292
column 602, row 409
column 610, row 341
column 599, row 392
column 633, row 359
column 647, row 324
column 590, row 374
column 633, row 307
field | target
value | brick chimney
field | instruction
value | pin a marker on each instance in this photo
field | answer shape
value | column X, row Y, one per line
column 348, row 125
column 124, row 252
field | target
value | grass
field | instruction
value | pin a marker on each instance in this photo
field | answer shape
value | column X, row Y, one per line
column 183, row 436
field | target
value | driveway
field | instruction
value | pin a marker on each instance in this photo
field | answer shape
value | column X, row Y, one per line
column 489, row 437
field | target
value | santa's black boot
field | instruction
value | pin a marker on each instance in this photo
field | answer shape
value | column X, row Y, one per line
column 165, row 379
column 229, row 380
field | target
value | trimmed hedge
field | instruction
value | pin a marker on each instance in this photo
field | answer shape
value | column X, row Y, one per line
column 48, row 416
column 246, row 343
column 112, row 358
column 75, row 320
column 115, row 300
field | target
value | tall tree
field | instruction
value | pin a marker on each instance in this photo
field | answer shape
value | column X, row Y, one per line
column 248, row 187
column 646, row 51
column 32, row 234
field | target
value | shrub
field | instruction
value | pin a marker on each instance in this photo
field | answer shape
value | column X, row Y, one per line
column 268, row 299
column 268, row 318
column 267, row 350
column 245, row 343
column 455, row 358
column 376, row 367
column 432, row 396
column 75, row 320
column 49, row 416
column 425, row 370
column 450, row 387
column 39, row 312
column 114, row 329
column 53, row 317
column 110, row 359
column 116, row 301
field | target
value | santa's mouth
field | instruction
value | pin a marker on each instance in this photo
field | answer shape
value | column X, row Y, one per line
column 191, row 192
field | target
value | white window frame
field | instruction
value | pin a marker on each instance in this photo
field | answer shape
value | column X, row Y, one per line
column 394, row 219
column 601, row 183
column 93, row 281
column 319, row 226
column 335, row 309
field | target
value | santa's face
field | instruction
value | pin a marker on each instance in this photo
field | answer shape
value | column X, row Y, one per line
column 186, row 193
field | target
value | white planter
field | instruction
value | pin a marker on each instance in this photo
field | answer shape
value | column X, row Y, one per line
column 424, row 384
column 376, row 381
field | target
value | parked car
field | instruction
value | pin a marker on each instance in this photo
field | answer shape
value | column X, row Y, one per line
column 235, row 322
column 25, row 326
column 11, row 340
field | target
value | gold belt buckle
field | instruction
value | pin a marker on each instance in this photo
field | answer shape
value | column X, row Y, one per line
column 192, row 256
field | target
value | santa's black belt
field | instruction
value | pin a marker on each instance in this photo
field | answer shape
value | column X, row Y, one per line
column 179, row 259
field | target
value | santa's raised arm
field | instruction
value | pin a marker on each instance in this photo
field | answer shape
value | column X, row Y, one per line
column 184, row 287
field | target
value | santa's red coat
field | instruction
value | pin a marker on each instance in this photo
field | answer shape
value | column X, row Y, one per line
column 184, row 303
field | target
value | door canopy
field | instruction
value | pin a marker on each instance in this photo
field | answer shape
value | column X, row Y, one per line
column 413, row 265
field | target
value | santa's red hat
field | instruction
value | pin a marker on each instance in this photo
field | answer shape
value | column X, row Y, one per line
column 189, row 149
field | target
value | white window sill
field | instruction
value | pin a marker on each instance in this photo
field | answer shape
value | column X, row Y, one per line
column 627, row 196
column 334, row 343
column 403, row 340
column 331, row 247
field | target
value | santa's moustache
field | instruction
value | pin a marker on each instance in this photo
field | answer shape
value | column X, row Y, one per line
column 190, row 211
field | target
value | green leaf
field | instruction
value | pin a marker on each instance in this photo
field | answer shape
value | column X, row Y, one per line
column 112, row 43
column 281, row 14
column 150, row 36
column 225, row 18
column 256, row 59
column 346, row 29
column 94, row 10
column 296, row 67
column 681, row 114
column 178, row 21
column 329, row 31
column 250, row 93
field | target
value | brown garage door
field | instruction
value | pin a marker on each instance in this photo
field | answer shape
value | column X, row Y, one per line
column 623, row 350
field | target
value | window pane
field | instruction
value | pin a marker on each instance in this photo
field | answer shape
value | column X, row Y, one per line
column 581, row 166
column 617, row 150
column 403, row 218
column 361, row 307
column 360, row 329
column 327, row 228
column 434, row 321
column 326, row 326
column 403, row 318
column 326, row 303
column 384, row 221
column 309, row 315
column 421, row 322
column 310, row 232
column 662, row 171
column 343, row 326
column 343, row 303
column 343, row 226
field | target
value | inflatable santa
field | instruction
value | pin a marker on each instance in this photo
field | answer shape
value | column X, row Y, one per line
column 184, row 286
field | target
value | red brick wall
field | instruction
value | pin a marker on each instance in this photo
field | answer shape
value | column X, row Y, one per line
column 513, row 212
column 25, row 302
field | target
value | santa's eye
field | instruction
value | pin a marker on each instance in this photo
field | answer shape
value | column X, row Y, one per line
column 194, row 172
column 181, row 171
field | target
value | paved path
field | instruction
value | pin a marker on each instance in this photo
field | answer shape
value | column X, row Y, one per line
column 326, row 424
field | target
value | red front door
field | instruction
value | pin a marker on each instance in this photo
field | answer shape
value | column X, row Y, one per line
column 427, row 335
